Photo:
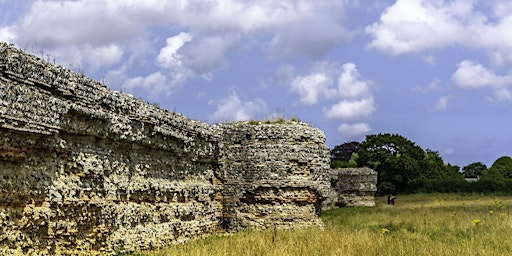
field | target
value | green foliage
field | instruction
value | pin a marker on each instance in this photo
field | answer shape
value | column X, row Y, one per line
column 396, row 159
column 344, row 151
column 501, row 168
column 474, row 170
column 404, row 167
column 343, row 164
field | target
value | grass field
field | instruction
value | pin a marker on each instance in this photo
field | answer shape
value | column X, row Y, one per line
column 425, row 224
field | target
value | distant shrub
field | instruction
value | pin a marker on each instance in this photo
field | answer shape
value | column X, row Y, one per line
column 343, row 164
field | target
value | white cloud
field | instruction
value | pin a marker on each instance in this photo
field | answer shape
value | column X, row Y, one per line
column 473, row 75
column 310, row 35
column 51, row 23
column 169, row 56
column 105, row 55
column 208, row 53
column 154, row 85
column 502, row 9
column 313, row 87
column 470, row 75
column 442, row 104
column 415, row 25
column 7, row 34
column 234, row 109
column 410, row 26
column 349, row 83
column 351, row 110
column 218, row 27
column 353, row 97
column 354, row 131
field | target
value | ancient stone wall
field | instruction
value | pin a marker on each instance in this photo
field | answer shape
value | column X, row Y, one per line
column 351, row 187
column 274, row 175
column 84, row 170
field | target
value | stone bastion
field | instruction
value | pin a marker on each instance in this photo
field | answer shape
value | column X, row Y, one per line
column 87, row 170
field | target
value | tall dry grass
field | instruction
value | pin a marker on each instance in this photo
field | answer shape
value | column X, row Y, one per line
column 425, row 224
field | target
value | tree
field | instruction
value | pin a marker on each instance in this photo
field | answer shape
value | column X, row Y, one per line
column 474, row 170
column 434, row 167
column 396, row 159
column 344, row 151
column 501, row 168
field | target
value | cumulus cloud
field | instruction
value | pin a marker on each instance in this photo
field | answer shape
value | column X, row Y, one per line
column 233, row 108
column 474, row 75
column 355, row 130
column 313, row 87
column 410, row 26
column 291, row 38
column 470, row 75
column 155, row 84
column 169, row 56
column 51, row 23
column 353, row 100
column 415, row 25
column 349, row 83
column 351, row 110
column 208, row 53
column 217, row 27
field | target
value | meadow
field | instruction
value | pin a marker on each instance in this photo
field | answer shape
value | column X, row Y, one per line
column 421, row 224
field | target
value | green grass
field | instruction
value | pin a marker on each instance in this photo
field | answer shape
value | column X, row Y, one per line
column 424, row 224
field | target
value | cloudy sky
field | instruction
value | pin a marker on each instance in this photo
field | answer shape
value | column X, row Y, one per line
column 437, row 72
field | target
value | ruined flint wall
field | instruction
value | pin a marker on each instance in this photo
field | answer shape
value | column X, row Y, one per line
column 85, row 170
column 351, row 187
column 274, row 175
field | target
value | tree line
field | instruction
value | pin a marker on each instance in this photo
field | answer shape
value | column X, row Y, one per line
column 404, row 167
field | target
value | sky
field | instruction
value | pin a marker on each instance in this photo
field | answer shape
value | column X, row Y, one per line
column 437, row 72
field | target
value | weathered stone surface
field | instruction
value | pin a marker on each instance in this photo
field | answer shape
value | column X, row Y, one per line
column 87, row 170
column 274, row 175
column 351, row 187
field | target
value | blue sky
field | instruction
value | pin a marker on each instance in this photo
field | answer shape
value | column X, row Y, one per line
column 436, row 72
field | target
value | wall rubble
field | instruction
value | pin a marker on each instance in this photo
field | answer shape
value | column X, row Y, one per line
column 351, row 187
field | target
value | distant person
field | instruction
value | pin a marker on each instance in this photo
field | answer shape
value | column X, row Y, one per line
column 391, row 200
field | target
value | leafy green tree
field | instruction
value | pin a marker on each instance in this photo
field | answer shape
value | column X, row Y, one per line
column 396, row 159
column 344, row 151
column 501, row 168
column 474, row 170
column 434, row 167
column 436, row 176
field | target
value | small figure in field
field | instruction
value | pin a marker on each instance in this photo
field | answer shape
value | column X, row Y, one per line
column 391, row 200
